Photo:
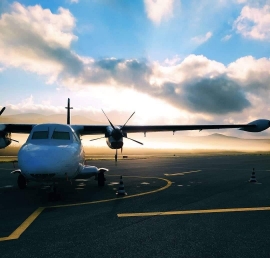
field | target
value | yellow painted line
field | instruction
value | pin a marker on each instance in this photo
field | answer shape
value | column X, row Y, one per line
column 182, row 173
column 169, row 183
column 141, row 214
column 189, row 172
column 175, row 174
column 17, row 233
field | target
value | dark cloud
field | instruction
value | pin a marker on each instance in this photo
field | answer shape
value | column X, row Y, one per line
column 125, row 73
column 209, row 95
column 215, row 96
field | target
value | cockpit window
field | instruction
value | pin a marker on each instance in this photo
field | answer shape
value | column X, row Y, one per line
column 37, row 135
column 61, row 135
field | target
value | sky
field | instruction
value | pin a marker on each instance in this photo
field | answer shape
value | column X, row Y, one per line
column 170, row 61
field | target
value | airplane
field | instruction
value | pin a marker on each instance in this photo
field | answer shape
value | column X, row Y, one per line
column 53, row 152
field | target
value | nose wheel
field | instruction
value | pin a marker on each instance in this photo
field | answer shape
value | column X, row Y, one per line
column 21, row 181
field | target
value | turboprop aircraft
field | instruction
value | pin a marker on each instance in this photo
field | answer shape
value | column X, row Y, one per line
column 53, row 152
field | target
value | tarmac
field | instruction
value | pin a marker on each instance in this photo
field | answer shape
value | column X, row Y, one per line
column 179, row 206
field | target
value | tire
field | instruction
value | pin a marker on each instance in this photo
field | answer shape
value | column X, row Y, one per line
column 101, row 179
column 21, row 181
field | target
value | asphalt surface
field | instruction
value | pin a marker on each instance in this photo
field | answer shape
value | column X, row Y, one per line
column 87, row 221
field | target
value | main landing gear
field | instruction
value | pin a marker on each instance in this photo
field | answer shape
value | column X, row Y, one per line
column 54, row 195
column 21, row 181
column 101, row 178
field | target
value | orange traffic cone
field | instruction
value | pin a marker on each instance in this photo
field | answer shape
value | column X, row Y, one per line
column 253, row 177
column 121, row 188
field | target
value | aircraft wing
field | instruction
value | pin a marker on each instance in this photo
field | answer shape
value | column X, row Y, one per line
column 101, row 129
column 17, row 128
column 256, row 126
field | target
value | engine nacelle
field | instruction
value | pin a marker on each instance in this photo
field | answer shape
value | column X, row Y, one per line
column 4, row 142
column 260, row 125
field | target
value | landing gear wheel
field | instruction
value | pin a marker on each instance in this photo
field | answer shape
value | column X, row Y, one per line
column 101, row 179
column 54, row 195
column 21, row 181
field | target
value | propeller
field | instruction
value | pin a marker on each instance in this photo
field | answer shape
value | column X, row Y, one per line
column 2, row 110
column 12, row 140
column 108, row 120
column 127, row 121
column 96, row 138
column 117, row 134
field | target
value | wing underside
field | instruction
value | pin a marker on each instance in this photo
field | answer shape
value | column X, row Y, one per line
column 88, row 129
column 101, row 129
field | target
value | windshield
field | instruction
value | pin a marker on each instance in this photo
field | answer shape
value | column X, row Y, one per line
column 37, row 135
column 61, row 135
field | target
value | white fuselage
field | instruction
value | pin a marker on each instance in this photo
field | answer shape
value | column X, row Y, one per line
column 53, row 152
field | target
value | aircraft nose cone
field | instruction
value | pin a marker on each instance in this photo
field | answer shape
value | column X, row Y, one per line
column 43, row 160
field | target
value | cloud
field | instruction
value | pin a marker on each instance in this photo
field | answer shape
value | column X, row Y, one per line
column 172, row 61
column 158, row 10
column 205, row 90
column 38, row 41
column 254, row 23
column 194, row 85
column 202, row 39
column 227, row 37
column 219, row 95
column 74, row 1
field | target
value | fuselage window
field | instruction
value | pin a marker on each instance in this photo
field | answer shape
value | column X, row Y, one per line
column 38, row 135
column 57, row 135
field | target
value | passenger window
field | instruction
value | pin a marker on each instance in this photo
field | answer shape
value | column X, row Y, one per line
column 38, row 135
column 57, row 135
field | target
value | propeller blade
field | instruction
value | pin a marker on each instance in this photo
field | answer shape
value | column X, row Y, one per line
column 12, row 140
column 127, row 121
column 108, row 120
column 2, row 110
column 97, row 138
column 134, row 140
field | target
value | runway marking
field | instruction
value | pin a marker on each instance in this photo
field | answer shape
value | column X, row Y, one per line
column 182, row 173
column 17, row 233
column 6, row 186
column 169, row 183
column 166, row 213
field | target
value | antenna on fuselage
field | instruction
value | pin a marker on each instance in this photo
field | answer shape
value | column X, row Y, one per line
column 68, row 111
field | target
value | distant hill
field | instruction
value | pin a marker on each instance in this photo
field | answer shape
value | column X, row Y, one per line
column 223, row 142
